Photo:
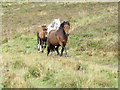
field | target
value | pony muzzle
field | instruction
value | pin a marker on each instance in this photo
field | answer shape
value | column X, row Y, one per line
column 46, row 36
column 67, row 34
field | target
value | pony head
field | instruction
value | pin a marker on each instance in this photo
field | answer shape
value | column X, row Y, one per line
column 45, row 30
column 66, row 26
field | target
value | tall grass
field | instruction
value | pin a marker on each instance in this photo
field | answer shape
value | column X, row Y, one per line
column 92, row 46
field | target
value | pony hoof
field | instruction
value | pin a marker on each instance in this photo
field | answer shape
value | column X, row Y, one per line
column 58, row 54
column 40, row 51
column 67, row 56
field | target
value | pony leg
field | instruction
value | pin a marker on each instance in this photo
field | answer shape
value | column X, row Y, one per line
column 45, row 45
column 57, row 50
column 62, row 51
column 63, row 47
column 38, row 39
column 40, row 45
column 65, row 50
column 48, row 49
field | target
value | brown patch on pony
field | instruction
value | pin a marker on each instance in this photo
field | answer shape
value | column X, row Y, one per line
column 43, row 32
column 42, row 37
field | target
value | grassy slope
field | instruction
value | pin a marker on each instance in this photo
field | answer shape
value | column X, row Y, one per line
column 92, row 46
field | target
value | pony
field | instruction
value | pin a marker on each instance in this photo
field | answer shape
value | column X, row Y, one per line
column 54, row 25
column 58, row 38
column 42, row 37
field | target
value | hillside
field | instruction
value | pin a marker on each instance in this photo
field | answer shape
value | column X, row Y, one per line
column 92, row 46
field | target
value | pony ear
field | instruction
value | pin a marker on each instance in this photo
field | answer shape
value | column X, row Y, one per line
column 68, row 23
column 62, row 25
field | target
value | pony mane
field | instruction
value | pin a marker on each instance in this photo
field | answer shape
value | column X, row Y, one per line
column 62, row 24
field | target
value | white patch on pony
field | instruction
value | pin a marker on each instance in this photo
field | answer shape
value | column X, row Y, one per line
column 54, row 25
column 55, row 46
column 40, row 48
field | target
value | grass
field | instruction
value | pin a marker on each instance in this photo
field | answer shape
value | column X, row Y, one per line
column 92, row 46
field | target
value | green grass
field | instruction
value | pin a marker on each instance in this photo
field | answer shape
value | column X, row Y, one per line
column 92, row 46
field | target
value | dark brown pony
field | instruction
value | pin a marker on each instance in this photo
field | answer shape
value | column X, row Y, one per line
column 58, row 38
column 42, row 37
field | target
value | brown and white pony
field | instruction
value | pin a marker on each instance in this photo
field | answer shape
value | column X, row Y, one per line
column 42, row 37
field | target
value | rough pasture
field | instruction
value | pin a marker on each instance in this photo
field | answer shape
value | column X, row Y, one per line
column 92, row 46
